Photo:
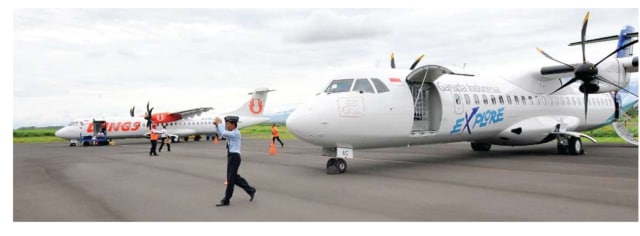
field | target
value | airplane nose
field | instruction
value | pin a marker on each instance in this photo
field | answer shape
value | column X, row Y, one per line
column 295, row 124
column 64, row 133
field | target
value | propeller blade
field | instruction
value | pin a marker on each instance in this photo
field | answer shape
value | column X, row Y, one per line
column 616, row 51
column 582, row 35
column 586, row 101
column 553, row 59
column 416, row 62
column 574, row 79
column 393, row 61
column 598, row 77
column 131, row 111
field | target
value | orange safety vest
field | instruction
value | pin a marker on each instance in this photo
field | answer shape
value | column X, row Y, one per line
column 154, row 136
column 274, row 131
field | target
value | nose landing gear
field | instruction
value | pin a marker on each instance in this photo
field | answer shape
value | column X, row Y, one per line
column 336, row 166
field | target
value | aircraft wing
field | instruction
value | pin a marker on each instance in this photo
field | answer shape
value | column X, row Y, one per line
column 191, row 112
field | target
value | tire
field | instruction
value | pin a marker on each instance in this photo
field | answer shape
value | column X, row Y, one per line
column 575, row 146
column 197, row 138
column 331, row 166
column 341, row 165
column 72, row 145
column 186, row 138
column 480, row 147
column 562, row 149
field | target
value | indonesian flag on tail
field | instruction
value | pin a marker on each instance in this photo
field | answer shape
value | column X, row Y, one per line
column 395, row 80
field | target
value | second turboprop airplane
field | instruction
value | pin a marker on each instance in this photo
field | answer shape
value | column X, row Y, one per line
column 178, row 124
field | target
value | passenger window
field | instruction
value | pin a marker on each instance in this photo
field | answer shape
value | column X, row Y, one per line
column 467, row 99
column 509, row 99
column 493, row 100
column 524, row 100
column 530, row 100
column 457, row 96
column 484, row 99
column 339, row 86
column 363, row 86
column 500, row 99
column 379, row 86
column 476, row 99
column 515, row 98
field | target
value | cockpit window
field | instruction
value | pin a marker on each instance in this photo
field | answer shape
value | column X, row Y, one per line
column 363, row 85
column 379, row 85
column 339, row 85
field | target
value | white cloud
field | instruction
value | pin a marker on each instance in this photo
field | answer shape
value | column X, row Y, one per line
column 67, row 60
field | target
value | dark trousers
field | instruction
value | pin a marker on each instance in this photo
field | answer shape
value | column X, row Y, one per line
column 162, row 145
column 233, row 163
column 278, row 138
column 152, row 151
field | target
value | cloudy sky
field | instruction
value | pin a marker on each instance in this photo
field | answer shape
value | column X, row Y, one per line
column 86, row 63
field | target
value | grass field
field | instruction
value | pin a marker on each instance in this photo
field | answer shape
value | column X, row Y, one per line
column 605, row 134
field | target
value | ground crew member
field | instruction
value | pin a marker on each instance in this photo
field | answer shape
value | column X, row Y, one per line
column 276, row 135
column 231, row 133
column 164, row 137
column 153, row 136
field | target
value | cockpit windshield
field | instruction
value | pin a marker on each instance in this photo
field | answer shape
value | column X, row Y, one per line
column 339, row 86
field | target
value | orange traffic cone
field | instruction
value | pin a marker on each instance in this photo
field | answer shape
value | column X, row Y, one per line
column 215, row 139
column 272, row 149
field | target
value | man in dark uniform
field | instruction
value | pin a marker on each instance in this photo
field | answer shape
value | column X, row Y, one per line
column 232, row 134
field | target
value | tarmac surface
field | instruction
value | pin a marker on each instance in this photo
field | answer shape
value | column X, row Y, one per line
column 444, row 182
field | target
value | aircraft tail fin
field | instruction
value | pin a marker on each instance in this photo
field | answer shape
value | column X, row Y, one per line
column 255, row 105
column 626, row 35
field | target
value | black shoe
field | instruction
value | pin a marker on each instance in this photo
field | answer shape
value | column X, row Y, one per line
column 222, row 203
column 252, row 194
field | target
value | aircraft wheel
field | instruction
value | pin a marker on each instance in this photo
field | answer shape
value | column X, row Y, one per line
column 197, row 138
column 341, row 165
column 480, row 147
column 332, row 167
column 575, row 146
column 563, row 149
column 186, row 138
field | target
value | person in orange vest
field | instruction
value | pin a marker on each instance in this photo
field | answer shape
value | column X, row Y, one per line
column 153, row 136
column 276, row 135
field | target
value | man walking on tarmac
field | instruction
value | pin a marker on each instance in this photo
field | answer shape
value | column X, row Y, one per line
column 231, row 133
column 153, row 136
column 164, row 137
column 276, row 135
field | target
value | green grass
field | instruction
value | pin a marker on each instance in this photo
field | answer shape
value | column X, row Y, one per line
column 263, row 131
column 605, row 134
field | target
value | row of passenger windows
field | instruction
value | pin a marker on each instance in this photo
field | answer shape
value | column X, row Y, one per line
column 361, row 85
column 530, row 100
column 188, row 123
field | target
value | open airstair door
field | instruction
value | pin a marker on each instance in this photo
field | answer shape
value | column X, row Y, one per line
column 426, row 99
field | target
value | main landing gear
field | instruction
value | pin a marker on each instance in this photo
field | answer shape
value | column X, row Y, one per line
column 569, row 145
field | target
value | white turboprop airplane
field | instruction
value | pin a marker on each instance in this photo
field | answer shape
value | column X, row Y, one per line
column 432, row 104
column 179, row 124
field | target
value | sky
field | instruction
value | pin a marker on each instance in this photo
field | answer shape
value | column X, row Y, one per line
column 98, row 62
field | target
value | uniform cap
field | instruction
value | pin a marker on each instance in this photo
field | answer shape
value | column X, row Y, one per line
column 232, row 119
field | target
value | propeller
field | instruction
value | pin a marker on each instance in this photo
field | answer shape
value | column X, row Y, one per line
column 131, row 111
column 148, row 116
column 415, row 63
column 586, row 72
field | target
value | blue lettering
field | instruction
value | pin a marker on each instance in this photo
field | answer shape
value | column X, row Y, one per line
column 481, row 119
column 456, row 127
